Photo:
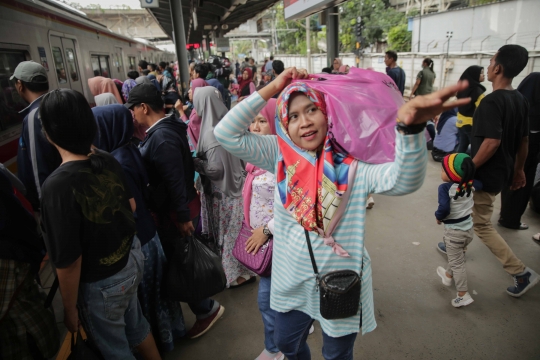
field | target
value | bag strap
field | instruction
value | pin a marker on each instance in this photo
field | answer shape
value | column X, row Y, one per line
column 33, row 157
column 52, row 292
column 313, row 263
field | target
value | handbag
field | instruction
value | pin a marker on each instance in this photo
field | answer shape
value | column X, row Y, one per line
column 261, row 262
column 82, row 349
column 195, row 272
column 339, row 290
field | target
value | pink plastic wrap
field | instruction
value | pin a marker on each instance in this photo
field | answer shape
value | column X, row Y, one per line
column 362, row 110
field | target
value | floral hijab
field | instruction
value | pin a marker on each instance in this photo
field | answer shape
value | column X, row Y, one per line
column 314, row 188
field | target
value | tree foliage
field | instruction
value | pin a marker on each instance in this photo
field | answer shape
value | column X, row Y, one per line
column 399, row 38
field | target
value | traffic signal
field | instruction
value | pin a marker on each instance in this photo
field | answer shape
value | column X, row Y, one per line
column 359, row 26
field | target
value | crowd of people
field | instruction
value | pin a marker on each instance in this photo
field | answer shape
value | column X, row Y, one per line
column 112, row 192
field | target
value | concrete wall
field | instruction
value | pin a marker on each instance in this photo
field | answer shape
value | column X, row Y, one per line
column 480, row 28
column 412, row 64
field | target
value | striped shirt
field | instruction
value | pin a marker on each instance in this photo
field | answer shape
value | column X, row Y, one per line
column 293, row 282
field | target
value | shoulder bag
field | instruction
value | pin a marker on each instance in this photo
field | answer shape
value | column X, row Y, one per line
column 339, row 290
column 261, row 262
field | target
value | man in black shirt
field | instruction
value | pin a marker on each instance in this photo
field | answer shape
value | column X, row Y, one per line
column 499, row 148
column 394, row 71
column 171, row 173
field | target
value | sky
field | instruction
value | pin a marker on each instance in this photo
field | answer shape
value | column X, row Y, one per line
column 106, row 4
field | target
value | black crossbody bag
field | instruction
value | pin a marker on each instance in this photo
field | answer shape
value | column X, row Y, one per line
column 339, row 290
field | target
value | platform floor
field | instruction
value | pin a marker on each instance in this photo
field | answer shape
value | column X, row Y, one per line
column 414, row 316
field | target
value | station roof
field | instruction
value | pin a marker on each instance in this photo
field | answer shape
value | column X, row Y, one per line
column 221, row 15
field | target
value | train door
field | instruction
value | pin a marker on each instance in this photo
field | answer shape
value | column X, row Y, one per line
column 65, row 63
column 119, row 62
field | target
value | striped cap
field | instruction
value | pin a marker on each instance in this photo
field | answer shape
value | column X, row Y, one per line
column 452, row 166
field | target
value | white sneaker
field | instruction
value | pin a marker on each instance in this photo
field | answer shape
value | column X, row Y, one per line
column 460, row 301
column 311, row 330
column 445, row 279
column 267, row 355
column 370, row 203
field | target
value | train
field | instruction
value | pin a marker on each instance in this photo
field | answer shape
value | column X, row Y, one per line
column 71, row 46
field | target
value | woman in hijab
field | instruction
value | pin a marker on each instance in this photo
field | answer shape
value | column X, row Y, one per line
column 246, row 84
column 115, row 127
column 147, row 80
column 194, row 121
column 514, row 203
column 258, row 197
column 474, row 75
column 446, row 139
column 129, row 84
column 100, row 85
column 312, row 179
column 221, row 186
column 336, row 64
column 105, row 99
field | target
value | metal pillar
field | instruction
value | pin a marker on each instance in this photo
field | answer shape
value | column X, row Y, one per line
column 308, row 44
column 180, row 43
column 332, row 34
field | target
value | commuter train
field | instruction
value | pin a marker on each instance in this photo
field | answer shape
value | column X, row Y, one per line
column 72, row 47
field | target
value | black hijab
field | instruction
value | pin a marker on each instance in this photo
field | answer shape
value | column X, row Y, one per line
column 475, row 89
column 530, row 89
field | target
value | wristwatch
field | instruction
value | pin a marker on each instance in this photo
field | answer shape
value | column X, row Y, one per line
column 410, row 129
column 266, row 230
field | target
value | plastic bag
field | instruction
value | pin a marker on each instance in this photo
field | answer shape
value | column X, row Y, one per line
column 195, row 272
column 362, row 109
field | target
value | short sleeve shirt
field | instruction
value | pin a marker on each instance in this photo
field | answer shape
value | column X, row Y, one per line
column 427, row 77
column 502, row 115
column 88, row 214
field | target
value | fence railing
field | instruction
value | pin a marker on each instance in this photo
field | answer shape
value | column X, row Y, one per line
column 448, row 69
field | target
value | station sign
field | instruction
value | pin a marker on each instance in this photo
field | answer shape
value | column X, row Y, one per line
column 223, row 44
column 299, row 9
column 149, row 3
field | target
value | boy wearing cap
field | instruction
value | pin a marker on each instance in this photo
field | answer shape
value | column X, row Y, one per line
column 454, row 211
column 36, row 157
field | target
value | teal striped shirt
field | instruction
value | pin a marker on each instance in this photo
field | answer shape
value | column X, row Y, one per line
column 293, row 282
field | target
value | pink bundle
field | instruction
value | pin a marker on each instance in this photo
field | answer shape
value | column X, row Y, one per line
column 362, row 109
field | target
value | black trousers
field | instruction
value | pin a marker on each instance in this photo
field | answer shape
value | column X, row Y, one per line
column 514, row 203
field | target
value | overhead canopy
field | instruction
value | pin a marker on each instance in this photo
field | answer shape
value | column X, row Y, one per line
column 211, row 15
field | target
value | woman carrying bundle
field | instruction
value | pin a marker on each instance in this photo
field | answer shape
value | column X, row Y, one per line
column 321, row 195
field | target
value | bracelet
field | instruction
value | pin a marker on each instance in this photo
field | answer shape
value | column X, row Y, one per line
column 410, row 129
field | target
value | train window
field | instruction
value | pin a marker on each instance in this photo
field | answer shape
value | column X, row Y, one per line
column 118, row 62
column 10, row 101
column 100, row 65
column 59, row 64
column 70, row 59
column 132, row 63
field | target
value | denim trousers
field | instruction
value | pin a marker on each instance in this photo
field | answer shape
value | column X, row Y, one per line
column 291, row 332
column 268, row 315
column 110, row 311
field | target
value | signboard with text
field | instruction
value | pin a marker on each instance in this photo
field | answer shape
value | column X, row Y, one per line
column 222, row 44
column 149, row 3
column 299, row 9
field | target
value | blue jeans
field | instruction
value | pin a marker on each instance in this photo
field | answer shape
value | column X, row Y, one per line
column 110, row 312
column 291, row 332
column 268, row 315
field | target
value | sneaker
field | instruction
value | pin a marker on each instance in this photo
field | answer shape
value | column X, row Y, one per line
column 311, row 330
column 441, row 247
column 522, row 283
column 445, row 279
column 267, row 355
column 460, row 301
column 202, row 326
column 370, row 203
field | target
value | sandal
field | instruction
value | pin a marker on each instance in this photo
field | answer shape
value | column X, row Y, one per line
column 536, row 237
column 249, row 280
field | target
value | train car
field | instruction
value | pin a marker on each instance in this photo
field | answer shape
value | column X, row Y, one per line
column 72, row 47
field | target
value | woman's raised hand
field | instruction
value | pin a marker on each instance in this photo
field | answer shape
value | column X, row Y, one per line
column 282, row 81
column 425, row 107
